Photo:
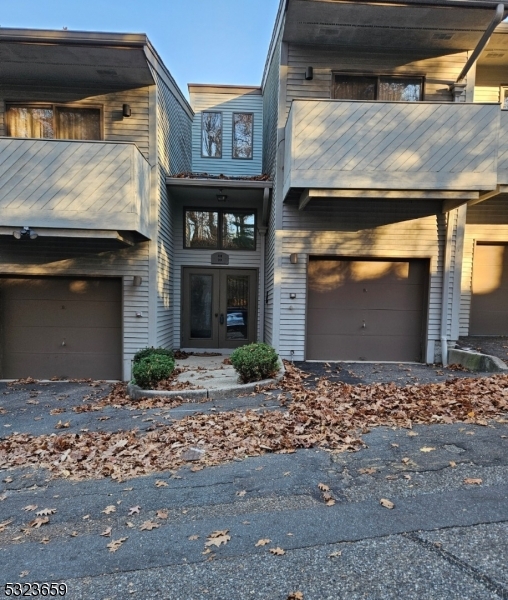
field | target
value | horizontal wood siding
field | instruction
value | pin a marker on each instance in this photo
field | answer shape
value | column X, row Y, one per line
column 270, row 119
column 390, row 145
column 89, row 185
column 227, row 104
column 202, row 258
column 116, row 127
column 73, row 257
column 486, row 222
column 487, row 82
column 174, row 156
column 356, row 228
column 439, row 71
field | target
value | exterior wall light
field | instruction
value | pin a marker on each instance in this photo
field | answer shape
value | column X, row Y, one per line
column 309, row 73
column 221, row 197
column 137, row 280
column 293, row 258
column 126, row 110
column 25, row 233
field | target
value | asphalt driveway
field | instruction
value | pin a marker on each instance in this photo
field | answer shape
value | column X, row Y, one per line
column 446, row 536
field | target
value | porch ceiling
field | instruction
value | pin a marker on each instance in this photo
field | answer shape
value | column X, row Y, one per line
column 449, row 26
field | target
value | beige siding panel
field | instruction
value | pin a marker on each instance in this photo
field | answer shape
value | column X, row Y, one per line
column 91, row 258
column 357, row 228
column 370, row 145
column 116, row 127
column 439, row 71
column 89, row 185
column 486, row 222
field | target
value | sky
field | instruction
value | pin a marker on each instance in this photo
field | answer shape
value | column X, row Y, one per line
column 200, row 41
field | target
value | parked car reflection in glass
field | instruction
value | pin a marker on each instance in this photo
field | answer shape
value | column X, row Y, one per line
column 237, row 324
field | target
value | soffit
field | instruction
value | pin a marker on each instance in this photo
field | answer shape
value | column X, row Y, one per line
column 496, row 51
column 383, row 25
column 71, row 62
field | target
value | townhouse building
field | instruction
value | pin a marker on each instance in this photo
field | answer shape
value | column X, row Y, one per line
column 354, row 206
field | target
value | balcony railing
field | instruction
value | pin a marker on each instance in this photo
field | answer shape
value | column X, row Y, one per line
column 333, row 144
column 73, row 184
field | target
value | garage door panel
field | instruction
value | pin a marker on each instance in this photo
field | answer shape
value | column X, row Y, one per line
column 65, row 313
column 41, row 339
column 66, row 366
column 489, row 302
column 377, row 322
column 388, row 296
column 358, row 295
column 50, row 339
column 325, row 347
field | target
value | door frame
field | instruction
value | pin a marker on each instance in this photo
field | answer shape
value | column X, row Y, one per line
column 184, row 307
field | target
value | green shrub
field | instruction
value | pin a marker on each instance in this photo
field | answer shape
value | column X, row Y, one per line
column 144, row 352
column 255, row 362
column 151, row 369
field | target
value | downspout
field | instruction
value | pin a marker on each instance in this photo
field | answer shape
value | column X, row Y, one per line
column 262, row 285
column 445, row 293
column 498, row 17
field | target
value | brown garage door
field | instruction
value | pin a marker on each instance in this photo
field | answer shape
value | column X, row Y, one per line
column 61, row 327
column 365, row 309
column 489, row 304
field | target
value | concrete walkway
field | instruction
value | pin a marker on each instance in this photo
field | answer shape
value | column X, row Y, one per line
column 207, row 372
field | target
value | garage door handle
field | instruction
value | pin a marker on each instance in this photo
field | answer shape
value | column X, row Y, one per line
column 63, row 343
column 364, row 325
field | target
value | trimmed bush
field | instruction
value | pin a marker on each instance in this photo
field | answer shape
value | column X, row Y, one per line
column 151, row 369
column 144, row 352
column 255, row 362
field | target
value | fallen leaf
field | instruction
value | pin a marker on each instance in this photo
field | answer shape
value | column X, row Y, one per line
column 107, row 532
column 334, row 554
column 367, row 471
column 45, row 512
column 386, row 503
column 38, row 522
column 30, row 507
column 5, row 524
column 330, row 502
column 61, row 425
column 162, row 514
column 8, row 480
column 453, row 464
column 323, row 487
column 427, row 449
column 129, row 489
column 74, row 534
column 109, row 509
column 192, row 538
column 159, row 483
column 115, row 544
column 86, row 517
column 134, row 510
column 45, row 540
column 295, row 596
column 149, row 525
column 129, row 524
column 411, row 433
column 262, row 542
column 242, row 493
column 277, row 551
column 217, row 538
column 287, row 473
column 473, row 481
column 405, row 460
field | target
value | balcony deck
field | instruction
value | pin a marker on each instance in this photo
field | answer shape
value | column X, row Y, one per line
column 353, row 145
column 64, row 184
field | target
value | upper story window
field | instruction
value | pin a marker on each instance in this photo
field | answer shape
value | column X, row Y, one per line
column 52, row 121
column 211, row 135
column 504, row 97
column 220, row 229
column 243, row 125
column 386, row 88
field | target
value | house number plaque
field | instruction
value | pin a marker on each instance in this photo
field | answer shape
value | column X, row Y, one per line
column 220, row 258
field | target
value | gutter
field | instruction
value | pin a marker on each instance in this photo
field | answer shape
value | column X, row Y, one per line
column 498, row 17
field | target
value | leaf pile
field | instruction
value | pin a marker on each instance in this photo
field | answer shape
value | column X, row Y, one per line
column 331, row 416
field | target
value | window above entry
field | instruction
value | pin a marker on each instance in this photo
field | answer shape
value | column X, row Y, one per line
column 385, row 88
column 52, row 121
column 220, row 229
column 243, row 124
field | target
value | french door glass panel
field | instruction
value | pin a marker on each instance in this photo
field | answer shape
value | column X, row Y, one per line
column 201, row 300
column 237, row 298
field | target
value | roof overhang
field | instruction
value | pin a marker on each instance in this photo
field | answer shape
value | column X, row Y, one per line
column 73, row 58
column 179, row 182
column 443, row 26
